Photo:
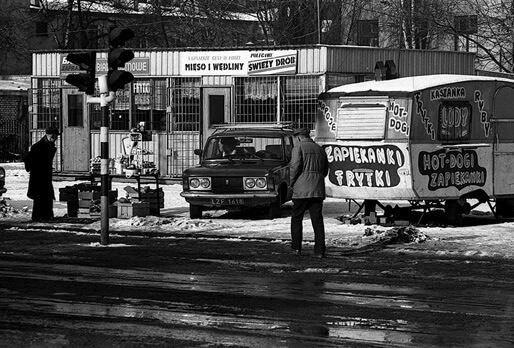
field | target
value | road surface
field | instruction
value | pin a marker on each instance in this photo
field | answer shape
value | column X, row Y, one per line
column 62, row 289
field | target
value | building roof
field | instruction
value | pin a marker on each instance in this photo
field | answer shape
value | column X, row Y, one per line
column 411, row 84
column 12, row 85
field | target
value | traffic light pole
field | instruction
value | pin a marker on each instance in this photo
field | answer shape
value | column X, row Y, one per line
column 104, row 171
column 105, row 98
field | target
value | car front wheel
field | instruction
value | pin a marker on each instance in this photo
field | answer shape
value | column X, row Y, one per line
column 274, row 210
column 195, row 211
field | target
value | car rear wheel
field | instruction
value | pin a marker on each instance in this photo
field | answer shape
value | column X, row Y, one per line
column 195, row 211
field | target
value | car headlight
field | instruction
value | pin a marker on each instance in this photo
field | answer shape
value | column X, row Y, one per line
column 205, row 183
column 200, row 183
column 260, row 182
column 255, row 183
column 194, row 183
column 250, row 182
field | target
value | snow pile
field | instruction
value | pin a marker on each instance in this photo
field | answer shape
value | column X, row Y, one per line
column 158, row 224
column 396, row 235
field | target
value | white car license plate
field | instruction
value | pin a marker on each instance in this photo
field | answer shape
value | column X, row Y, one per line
column 227, row 201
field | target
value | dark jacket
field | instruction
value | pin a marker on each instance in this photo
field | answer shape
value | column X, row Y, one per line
column 309, row 166
column 39, row 163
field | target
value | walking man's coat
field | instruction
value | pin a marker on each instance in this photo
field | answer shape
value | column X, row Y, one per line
column 309, row 166
column 39, row 163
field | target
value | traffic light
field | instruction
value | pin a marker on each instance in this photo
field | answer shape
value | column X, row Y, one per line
column 117, row 58
column 85, row 82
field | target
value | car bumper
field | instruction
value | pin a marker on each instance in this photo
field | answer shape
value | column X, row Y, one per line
column 235, row 200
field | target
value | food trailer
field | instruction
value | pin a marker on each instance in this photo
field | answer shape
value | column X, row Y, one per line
column 435, row 140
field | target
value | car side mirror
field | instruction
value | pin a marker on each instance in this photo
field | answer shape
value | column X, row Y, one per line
column 198, row 152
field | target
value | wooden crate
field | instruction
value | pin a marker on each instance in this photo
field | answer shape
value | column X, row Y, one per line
column 128, row 210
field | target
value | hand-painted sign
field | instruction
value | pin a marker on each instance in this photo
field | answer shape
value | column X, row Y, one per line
column 484, row 118
column 325, row 109
column 458, row 168
column 364, row 166
column 454, row 120
column 398, row 118
column 425, row 118
column 448, row 93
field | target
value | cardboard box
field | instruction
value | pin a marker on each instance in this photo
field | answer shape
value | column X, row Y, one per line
column 128, row 210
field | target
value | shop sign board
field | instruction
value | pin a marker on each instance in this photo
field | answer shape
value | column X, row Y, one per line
column 137, row 66
column 237, row 63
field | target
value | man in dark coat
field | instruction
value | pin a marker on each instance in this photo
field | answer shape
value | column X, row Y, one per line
column 39, row 163
column 309, row 166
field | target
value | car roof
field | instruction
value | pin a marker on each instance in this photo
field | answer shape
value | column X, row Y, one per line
column 251, row 132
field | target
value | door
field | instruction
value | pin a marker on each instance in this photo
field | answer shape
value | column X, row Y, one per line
column 216, row 109
column 75, row 133
column 503, row 149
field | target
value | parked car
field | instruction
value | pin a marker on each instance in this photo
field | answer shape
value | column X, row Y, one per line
column 2, row 181
column 240, row 167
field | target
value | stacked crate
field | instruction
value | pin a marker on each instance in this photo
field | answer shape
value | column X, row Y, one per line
column 69, row 194
column 90, row 205
column 155, row 201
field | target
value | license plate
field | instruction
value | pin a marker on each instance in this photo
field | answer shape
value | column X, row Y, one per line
column 227, row 201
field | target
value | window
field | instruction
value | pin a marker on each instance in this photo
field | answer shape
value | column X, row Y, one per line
column 454, row 121
column 41, row 29
column 256, row 99
column 75, row 110
column 95, row 115
column 185, row 102
column 300, row 100
column 361, row 121
column 120, row 112
column 47, row 103
column 35, row 3
column 149, row 103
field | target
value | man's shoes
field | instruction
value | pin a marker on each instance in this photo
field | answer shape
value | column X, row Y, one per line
column 319, row 255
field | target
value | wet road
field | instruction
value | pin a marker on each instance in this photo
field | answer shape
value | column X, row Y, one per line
column 56, row 289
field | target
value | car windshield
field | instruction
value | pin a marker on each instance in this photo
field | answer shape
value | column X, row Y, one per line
column 244, row 147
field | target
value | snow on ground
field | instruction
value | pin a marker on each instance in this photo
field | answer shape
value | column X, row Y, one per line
column 492, row 240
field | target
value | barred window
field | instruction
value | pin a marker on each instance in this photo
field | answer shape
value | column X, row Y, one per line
column 47, row 100
column 299, row 100
column 149, row 100
column 120, row 112
column 185, row 102
column 95, row 115
column 256, row 99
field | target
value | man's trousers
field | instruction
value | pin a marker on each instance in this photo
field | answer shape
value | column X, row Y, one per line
column 315, row 207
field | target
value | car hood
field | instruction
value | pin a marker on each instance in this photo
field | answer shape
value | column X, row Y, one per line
column 236, row 168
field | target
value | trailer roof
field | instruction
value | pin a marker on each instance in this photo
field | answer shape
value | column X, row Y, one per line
column 411, row 84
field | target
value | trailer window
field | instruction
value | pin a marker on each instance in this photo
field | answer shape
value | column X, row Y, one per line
column 361, row 121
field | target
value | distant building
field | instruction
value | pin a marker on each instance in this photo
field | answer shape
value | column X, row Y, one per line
column 51, row 24
column 14, row 117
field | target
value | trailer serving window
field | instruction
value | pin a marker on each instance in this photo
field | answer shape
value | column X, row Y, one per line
column 361, row 121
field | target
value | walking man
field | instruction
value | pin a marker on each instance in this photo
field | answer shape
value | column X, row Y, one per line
column 39, row 163
column 309, row 166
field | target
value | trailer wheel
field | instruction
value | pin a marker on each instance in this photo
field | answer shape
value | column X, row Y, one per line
column 195, row 211
column 505, row 207
column 453, row 210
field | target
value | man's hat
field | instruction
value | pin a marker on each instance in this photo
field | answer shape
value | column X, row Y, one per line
column 229, row 141
column 53, row 131
column 301, row 131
